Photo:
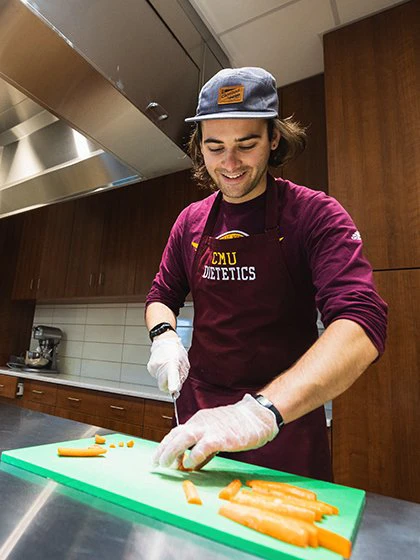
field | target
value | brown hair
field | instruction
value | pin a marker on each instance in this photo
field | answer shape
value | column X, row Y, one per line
column 292, row 143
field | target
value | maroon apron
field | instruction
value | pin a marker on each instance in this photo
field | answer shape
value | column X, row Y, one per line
column 251, row 322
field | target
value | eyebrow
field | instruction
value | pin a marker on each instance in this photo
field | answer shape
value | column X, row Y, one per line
column 243, row 139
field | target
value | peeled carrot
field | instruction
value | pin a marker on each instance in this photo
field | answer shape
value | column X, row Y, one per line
column 112, row 445
column 284, row 487
column 191, row 493
column 230, row 490
column 130, row 443
column 99, row 439
column 271, row 503
column 321, row 508
column 80, row 452
column 121, row 444
column 334, row 542
column 277, row 526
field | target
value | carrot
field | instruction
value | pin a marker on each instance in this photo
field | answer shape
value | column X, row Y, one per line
column 80, row 452
column 191, row 493
column 230, row 490
column 121, row 444
column 321, row 508
column 130, row 443
column 112, row 445
column 271, row 503
column 284, row 487
column 334, row 542
column 272, row 524
column 99, row 439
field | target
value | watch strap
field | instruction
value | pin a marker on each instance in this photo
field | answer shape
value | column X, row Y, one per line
column 268, row 404
column 160, row 328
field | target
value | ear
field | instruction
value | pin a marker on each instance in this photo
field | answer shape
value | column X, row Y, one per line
column 275, row 140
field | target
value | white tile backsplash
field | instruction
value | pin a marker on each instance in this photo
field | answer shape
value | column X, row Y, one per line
column 106, row 341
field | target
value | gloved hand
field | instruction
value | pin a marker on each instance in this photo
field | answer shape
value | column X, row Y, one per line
column 168, row 363
column 237, row 427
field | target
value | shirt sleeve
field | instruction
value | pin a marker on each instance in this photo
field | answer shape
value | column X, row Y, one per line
column 342, row 276
column 170, row 285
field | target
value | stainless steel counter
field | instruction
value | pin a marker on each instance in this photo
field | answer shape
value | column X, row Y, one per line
column 40, row 519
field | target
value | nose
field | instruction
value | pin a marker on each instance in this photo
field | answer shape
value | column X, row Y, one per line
column 231, row 161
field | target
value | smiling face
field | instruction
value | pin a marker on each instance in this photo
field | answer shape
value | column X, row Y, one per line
column 236, row 153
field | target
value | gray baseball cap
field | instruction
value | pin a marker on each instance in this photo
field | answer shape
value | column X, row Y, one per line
column 238, row 93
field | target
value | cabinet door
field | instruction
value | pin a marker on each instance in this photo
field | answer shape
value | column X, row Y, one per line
column 85, row 248
column 30, row 252
column 118, row 264
column 55, row 251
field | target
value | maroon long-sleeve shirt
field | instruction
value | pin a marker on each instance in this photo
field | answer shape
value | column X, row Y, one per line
column 322, row 246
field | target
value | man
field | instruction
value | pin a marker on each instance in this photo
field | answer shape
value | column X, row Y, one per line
column 259, row 256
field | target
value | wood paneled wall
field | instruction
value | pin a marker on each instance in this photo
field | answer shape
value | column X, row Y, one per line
column 372, row 84
column 15, row 316
column 304, row 101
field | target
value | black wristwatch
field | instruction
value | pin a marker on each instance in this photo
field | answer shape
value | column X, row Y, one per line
column 268, row 404
column 160, row 328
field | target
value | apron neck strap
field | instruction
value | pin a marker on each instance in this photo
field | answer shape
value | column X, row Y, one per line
column 271, row 208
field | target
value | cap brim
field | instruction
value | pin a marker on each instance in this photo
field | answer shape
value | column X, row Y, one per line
column 234, row 115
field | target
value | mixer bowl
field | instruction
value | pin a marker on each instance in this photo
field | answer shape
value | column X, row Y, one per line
column 35, row 360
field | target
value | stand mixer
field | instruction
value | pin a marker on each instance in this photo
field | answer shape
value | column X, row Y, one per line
column 44, row 358
column 45, row 355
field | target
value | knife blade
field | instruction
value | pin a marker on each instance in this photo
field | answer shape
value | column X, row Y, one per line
column 174, row 398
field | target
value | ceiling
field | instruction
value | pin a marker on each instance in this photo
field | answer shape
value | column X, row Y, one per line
column 282, row 36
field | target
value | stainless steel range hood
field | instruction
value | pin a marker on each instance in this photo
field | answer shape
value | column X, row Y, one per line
column 87, row 100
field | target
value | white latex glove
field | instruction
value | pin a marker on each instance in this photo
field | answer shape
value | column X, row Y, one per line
column 236, row 427
column 168, row 363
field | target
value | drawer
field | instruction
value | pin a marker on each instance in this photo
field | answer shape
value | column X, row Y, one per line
column 78, row 400
column 154, row 434
column 8, row 386
column 158, row 414
column 121, row 408
column 121, row 427
column 36, row 391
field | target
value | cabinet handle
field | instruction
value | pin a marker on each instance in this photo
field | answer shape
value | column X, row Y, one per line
column 166, row 417
column 90, row 280
column 73, row 399
column 1, row 386
column 101, row 278
column 31, row 285
column 37, row 392
column 157, row 111
column 38, row 283
column 116, row 407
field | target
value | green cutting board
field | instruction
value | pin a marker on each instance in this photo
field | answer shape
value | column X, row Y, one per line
column 125, row 477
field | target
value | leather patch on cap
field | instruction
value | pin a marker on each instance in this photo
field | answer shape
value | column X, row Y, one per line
column 230, row 94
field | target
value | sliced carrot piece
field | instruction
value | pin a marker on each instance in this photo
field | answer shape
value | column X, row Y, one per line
column 120, row 444
column 272, row 503
column 99, row 439
column 112, row 445
column 314, row 505
column 80, row 452
column 230, row 490
column 284, row 487
column 130, row 443
column 277, row 526
column 191, row 493
column 334, row 542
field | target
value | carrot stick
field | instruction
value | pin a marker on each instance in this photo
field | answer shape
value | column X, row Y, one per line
column 80, row 452
column 314, row 505
column 334, row 542
column 99, row 439
column 191, row 493
column 271, row 503
column 284, row 487
column 130, row 443
column 230, row 490
column 277, row 526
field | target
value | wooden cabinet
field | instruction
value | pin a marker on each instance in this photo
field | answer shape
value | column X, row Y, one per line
column 8, row 386
column 43, row 254
column 157, row 419
column 30, row 252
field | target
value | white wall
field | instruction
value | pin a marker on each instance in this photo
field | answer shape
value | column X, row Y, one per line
column 106, row 341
